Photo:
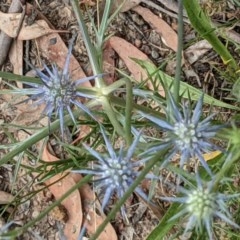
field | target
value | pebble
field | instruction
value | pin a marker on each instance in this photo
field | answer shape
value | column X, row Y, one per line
column 146, row 49
column 138, row 43
column 35, row 213
column 137, row 19
column 154, row 54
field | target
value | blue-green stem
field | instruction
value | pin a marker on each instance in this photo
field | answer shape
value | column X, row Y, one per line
column 129, row 104
column 230, row 160
column 108, row 109
column 179, row 52
column 99, row 82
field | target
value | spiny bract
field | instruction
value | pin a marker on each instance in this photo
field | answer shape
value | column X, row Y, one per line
column 58, row 92
column 186, row 132
column 114, row 171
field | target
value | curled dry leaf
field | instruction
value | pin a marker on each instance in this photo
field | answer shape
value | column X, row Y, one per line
column 169, row 36
column 93, row 220
column 72, row 203
column 127, row 51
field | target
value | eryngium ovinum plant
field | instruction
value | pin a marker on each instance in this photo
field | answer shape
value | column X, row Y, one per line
column 115, row 171
column 57, row 91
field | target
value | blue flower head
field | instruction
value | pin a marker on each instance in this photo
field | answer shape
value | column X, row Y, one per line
column 202, row 206
column 187, row 134
column 114, row 172
column 58, row 92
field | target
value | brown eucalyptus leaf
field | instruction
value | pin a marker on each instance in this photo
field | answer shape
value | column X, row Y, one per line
column 72, row 203
column 54, row 49
column 127, row 52
column 169, row 36
column 93, row 219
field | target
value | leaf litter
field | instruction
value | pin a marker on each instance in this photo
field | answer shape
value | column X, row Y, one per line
column 54, row 49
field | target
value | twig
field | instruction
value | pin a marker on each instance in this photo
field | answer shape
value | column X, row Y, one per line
column 169, row 13
column 5, row 41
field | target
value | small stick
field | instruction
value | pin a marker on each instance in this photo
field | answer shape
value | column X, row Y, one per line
column 5, row 41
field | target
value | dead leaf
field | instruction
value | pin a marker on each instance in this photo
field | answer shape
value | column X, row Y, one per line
column 128, row 4
column 54, row 49
column 169, row 36
column 93, row 220
column 108, row 63
column 36, row 30
column 9, row 23
column 126, row 51
column 72, row 203
column 5, row 198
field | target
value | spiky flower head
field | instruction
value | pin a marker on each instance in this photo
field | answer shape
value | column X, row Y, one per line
column 57, row 91
column 186, row 132
column 203, row 205
column 114, row 172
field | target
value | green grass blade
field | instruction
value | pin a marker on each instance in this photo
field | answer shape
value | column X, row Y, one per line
column 20, row 78
column 203, row 26
column 164, row 225
column 184, row 87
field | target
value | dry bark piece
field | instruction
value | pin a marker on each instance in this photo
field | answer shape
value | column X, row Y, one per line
column 72, row 203
column 127, row 51
column 16, row 57
column 169, row 36
column 5, row 40
column 93, row 220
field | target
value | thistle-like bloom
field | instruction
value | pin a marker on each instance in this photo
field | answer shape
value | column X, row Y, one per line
column 186, row 133
column 202, row 205
column 58, row 92
column 114, row 172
